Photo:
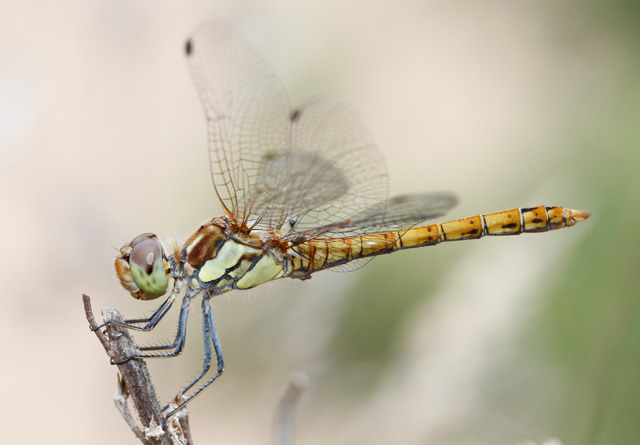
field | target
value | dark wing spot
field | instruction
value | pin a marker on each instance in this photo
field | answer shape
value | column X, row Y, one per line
column 295, row 115
column 270, row 155
column 188, row 47
column 399, row 199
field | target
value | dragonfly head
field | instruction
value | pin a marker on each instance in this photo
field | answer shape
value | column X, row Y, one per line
column 142, row 267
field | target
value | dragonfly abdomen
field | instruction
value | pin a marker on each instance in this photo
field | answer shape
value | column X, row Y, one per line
column 507, row 222
column 324, row 253
column 510, row 222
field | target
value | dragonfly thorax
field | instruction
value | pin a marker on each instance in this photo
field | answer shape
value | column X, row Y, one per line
column 220, row 258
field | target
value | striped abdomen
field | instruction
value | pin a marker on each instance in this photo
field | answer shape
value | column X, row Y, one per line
column 324, row 253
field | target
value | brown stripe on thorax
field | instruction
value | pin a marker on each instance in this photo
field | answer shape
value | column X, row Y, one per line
column 203, row 244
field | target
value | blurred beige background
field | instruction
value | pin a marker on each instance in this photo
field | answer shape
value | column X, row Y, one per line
column 501, row 341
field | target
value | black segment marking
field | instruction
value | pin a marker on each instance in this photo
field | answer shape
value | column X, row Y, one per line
column 326, row 254
column 335, row 263
column 509, row 226
column 522, row 228
column 427, row 243
column 485, row 229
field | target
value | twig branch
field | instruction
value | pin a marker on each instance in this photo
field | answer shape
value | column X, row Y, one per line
column 298, row 382
column 120, row 399
column 135, row 382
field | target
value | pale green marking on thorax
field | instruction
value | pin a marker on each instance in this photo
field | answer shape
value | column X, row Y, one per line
column 266, row 269
column 226, row 257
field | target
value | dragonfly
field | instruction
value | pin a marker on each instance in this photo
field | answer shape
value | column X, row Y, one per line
column 301, row 190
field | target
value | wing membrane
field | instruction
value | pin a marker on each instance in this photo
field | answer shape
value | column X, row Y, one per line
column 400, row 213
column 315, row 166
column 247, row 110
column 315, row 171
column 406, row 211
column 333, row 171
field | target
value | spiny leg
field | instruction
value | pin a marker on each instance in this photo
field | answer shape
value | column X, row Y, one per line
column 207, row 350
column 151, row 322
column 209, row 330
column 178, row 343
column 207, row 356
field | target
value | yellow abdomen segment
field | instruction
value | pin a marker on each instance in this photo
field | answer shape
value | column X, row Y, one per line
column 323, row 253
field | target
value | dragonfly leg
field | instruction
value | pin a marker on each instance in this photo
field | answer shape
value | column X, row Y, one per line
column 178, row 343
column 150, row 322
column 207, row 350
column 210, row 336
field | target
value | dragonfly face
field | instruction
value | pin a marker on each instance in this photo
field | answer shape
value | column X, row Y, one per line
column 143, row 268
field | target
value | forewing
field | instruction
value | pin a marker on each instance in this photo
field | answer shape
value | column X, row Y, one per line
column 247, row 111
column 334, row 171
column 314, row 171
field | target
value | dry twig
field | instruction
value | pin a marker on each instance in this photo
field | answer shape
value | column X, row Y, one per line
column 135, row 382
column 284, row 416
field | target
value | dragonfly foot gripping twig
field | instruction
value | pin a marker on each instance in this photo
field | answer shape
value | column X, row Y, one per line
column 135, row 382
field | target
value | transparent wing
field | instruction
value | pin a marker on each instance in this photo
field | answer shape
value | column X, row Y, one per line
column 334, row 171
column 271, row 167
column 314, row 171
column 405, row 211
column 400, row 213
column 247, row 111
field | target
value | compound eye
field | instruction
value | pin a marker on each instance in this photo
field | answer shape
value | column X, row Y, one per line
column 147, row 267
